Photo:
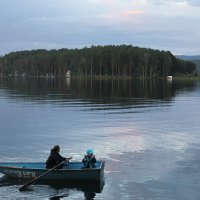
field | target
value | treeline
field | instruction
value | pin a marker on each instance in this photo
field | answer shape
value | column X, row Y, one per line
column 123, row 60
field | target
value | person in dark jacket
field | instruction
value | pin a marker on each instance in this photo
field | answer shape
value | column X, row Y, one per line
column 55, row 158
column 89, row 160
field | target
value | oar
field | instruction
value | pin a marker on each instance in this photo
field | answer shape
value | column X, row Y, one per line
column 24, row 187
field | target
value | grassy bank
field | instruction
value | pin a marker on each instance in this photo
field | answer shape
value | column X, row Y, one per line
column 186, row 77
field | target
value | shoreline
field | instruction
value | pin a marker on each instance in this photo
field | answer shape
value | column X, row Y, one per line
column 107, row 77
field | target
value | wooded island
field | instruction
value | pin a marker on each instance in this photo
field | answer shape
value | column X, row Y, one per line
column 100, row 61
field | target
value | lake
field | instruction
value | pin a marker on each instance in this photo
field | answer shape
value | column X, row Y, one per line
column 148, row 133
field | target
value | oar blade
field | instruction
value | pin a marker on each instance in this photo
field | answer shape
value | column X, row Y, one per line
column 25, row 186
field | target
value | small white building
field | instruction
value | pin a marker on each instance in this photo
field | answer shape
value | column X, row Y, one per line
column 68, row 74
column 169, row 77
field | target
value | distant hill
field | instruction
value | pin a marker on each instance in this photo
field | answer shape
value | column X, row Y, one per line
column 195, row 59
column 184, row 57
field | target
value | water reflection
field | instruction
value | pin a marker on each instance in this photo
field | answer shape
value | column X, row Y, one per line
column 89, row 195
column 147, row 132
column 58, row 197
column 61, row 189
column 55, row 198
column 96, row 91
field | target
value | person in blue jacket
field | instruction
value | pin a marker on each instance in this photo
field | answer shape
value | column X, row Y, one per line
column 89, row 160
column 55, row 158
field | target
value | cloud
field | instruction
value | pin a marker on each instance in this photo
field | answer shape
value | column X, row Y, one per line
column 194, row 2
column 189, row 2
column 169, row 24
column 121, row 15
column 131, row 12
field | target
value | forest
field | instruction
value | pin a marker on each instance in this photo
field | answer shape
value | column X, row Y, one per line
column 101, row 61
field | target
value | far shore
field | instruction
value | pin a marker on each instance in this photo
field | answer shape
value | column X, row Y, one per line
column 108, row 77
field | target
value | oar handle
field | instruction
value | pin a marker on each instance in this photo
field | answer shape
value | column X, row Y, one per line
column 68, row 158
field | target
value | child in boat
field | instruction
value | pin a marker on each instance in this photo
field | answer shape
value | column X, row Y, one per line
column 89, row 160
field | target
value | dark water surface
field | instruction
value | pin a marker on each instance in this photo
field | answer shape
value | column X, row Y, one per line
column 147, row 132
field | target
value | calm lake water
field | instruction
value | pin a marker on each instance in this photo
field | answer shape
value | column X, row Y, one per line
column 147, row 132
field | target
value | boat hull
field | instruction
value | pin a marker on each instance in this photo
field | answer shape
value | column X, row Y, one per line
column 72, row 171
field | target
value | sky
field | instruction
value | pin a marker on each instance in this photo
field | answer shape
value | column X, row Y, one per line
column 172, row 25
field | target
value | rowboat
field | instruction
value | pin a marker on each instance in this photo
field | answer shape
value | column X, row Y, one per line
column 72, row 171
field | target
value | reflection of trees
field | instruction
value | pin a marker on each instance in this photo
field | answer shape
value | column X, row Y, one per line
column 95, row 90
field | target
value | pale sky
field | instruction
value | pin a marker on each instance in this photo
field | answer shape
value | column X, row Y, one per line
column 172, row 25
